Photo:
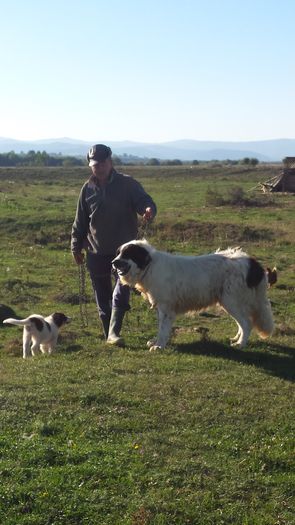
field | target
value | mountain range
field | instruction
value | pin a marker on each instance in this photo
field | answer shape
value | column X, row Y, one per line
column 273, row 150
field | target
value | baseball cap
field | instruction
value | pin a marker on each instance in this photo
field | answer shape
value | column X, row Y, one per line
column 98, row 153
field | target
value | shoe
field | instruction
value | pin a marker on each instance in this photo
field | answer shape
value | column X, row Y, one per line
column 115, row 327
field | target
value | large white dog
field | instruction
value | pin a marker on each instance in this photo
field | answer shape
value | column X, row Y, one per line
column 39, row 333
column 177, row 284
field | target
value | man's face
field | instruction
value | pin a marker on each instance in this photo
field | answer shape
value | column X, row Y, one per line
column 103, row 169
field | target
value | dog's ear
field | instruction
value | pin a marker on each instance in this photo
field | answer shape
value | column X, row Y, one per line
column 255, row 273
column 59, row 319
column 137, row 254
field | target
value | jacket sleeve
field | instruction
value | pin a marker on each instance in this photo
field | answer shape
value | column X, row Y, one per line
column 80, row 225
column 141, row 200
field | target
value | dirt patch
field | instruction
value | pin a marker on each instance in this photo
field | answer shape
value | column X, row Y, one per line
column 204, row 231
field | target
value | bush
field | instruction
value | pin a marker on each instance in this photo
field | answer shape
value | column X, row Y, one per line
column 213, row 198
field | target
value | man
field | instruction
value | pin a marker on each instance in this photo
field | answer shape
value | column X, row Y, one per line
column 106, row 217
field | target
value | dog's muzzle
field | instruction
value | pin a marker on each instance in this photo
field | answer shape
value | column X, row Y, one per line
column 121, row 266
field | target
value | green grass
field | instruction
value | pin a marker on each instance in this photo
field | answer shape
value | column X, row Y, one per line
column 199, row 433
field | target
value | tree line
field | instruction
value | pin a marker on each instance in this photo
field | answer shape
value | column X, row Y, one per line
column 42, row 158
column 38, row 158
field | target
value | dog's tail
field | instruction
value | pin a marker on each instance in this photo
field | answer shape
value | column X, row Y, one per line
column 18, row 322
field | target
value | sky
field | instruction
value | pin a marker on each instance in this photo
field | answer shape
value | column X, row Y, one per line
column 147, row 70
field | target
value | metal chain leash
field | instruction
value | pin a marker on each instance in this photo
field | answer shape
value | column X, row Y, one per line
column 143, row 229
column 82, row 294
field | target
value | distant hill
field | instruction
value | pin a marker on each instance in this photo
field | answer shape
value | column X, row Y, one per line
column 186, row 150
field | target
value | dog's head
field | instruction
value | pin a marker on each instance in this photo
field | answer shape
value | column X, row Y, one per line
column 60, row 319
column 132, row 260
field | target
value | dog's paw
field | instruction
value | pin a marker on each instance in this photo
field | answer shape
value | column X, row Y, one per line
column 154, row 348
column 238, row 345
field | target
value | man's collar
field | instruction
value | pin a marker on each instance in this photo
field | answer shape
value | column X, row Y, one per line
column 93, row 183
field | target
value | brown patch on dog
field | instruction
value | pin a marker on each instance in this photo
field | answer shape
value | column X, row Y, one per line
column 38, row 323
column 145, row 294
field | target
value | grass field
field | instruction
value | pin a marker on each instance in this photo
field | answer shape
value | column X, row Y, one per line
column 199, row 433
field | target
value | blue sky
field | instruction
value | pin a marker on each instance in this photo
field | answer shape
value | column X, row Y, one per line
column 147, row 70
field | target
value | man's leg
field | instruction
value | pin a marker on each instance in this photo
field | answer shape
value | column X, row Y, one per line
column 120, row 305
column 100, row 269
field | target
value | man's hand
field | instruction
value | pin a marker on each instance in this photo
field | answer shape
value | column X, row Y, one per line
column 79, row 257
column 148, row 214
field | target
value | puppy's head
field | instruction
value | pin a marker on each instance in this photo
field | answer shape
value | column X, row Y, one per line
column 131, row 261
column 60, row 319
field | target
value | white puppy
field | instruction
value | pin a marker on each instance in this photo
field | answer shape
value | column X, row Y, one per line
column 40, row 333
column 177, row 284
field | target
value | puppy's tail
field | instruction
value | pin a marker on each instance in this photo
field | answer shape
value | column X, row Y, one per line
column 272, row 276
column 17, row 322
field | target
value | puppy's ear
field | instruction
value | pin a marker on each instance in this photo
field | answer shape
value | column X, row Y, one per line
column 59, row 319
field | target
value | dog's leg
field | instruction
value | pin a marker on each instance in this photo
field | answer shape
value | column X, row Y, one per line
column 243, row 321
column 26, row 342
column 164, row 330
column 244, row 335
column 152, row 342
column 237, row 336
column 244, row 332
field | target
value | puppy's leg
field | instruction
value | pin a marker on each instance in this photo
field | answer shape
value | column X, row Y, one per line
column 35, row 348
column 44, row 349
column 151, row 342
column 26, row 342
column 52, row 345
column 165, row 320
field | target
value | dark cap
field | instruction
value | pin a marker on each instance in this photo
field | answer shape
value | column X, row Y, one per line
column 98, row 153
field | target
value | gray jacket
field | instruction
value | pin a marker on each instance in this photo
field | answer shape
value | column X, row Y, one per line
column 106, row 218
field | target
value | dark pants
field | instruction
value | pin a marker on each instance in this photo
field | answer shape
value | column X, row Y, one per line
column 101, row 273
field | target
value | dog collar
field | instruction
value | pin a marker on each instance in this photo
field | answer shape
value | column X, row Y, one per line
column 145, row 271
